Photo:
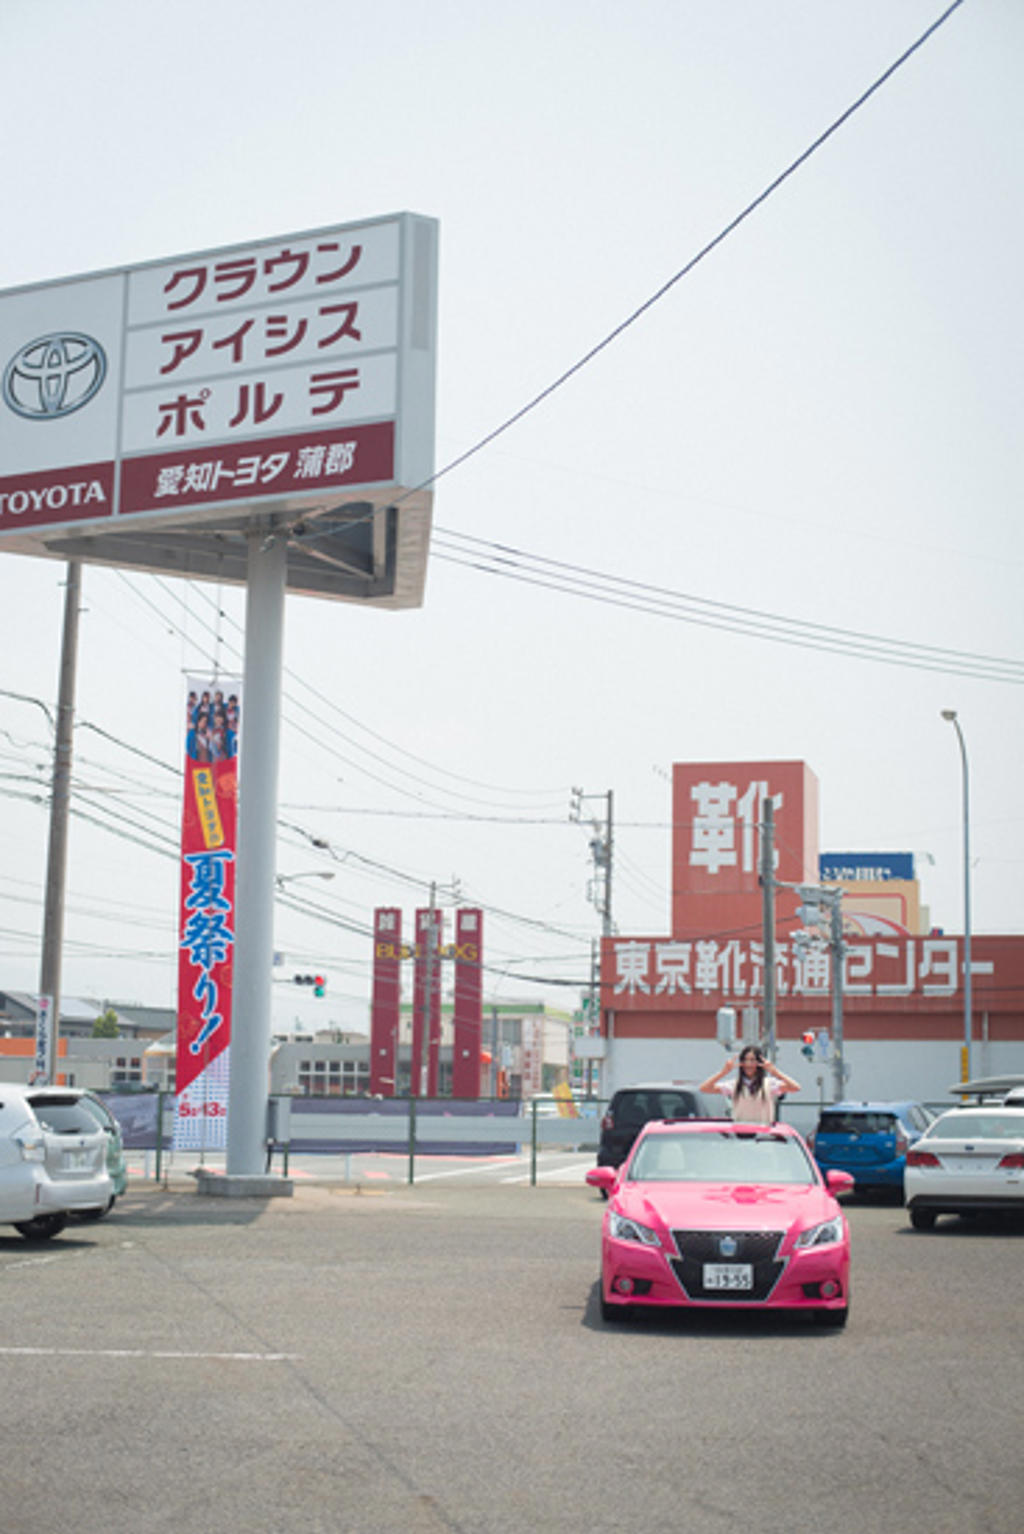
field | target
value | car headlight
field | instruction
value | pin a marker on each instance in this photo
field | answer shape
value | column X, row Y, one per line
column 826, row 1234
column 625, row 1229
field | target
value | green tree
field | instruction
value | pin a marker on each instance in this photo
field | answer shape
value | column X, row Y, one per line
column 105, row 1027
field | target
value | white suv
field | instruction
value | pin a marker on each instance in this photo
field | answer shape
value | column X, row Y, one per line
column 53, row 1159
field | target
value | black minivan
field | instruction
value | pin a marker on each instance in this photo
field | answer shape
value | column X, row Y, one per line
column 633, row 1107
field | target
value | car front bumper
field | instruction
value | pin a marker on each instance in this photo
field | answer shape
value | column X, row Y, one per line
column 634, row 1274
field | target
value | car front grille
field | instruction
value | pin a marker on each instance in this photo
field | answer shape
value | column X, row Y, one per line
column 758, row 1247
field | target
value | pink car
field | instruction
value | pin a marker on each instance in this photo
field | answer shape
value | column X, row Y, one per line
column 711, row 1213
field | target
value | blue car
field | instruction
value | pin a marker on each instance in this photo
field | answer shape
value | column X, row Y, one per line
column 870, row 1141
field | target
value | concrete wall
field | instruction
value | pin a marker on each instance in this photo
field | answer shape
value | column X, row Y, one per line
column 921, row 1070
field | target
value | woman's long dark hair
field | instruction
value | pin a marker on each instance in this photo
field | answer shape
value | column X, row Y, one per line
column 752, row 1084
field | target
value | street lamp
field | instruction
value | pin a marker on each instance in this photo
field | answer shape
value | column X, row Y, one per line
column 949, row 714
column 318, row 873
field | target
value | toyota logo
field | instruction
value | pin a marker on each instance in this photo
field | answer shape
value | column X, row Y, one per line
column 54, row 375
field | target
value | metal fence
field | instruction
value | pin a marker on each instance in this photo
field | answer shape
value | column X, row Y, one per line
column 346, row 1126
column 413, row 1128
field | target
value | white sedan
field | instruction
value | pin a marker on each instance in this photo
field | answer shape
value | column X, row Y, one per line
column 969, row 1161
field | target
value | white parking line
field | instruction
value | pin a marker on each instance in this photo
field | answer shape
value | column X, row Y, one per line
column 34, row 1262
column 247, row 1358
column 495, row 1164
column 576, row 1173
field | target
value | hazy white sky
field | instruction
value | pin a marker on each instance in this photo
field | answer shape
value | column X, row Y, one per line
column 822, row 421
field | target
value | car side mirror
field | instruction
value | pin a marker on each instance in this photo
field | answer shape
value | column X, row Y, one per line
column 605, row 1177
column 839, row 1182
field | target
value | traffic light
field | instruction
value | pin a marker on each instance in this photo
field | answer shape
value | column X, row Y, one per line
column 807, row 1046
column 318, row 982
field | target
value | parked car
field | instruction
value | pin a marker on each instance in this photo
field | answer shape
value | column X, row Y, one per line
column 710, row 1213
column 870, row 1141
column 631, row 1108
column 117, row 1166
column 969, row 1161
column 53, row 1159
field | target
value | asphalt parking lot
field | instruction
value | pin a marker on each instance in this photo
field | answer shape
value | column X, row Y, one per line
column 369, row 1360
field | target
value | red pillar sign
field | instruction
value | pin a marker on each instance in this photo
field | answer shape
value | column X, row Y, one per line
column 387, row 999
column 468, row 1010
column 426, row 1004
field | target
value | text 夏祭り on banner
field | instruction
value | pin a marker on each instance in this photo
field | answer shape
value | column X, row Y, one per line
column 207, row 915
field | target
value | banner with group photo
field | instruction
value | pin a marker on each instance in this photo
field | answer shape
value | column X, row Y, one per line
column 207, row 916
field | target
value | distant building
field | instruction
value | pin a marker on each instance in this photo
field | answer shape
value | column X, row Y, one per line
column 902, row 981
column 78, row 1016
column 528, row 1041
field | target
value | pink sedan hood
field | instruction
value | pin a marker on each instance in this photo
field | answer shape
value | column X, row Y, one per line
column 725, row 1206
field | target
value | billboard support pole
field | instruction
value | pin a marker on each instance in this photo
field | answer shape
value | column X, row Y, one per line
column 254, row 885
column 768, row 926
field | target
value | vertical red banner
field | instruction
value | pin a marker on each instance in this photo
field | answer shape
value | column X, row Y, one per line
column 207, row 913
column 467, row 1023
column 387, row 1000
column 426, row 1004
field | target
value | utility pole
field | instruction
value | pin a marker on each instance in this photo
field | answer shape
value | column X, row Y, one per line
column 768, row 926
column 838, row 947
column 56, row 863
column 822, row 911
column 950, row 715
column 606, row 914
column 600, row 893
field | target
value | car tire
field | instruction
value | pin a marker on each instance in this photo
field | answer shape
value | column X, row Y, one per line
column 834, row 1319
column 42, row 1227
column 923, row 1219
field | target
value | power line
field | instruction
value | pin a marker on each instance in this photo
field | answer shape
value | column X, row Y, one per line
column 297, row 677
column 684, row 271
column 639, row 596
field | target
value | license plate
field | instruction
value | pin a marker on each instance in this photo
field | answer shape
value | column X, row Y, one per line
column 969, row 1163
column 728, row 1275
column 75, row 1160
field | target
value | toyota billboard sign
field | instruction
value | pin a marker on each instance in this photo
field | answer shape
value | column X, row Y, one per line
column 286, row 376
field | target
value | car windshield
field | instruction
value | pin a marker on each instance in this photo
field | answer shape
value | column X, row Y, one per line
column 722, row 1156
column 977, row 1126
column 856, row 1124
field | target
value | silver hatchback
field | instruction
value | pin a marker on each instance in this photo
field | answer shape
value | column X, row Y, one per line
column 53, row 1159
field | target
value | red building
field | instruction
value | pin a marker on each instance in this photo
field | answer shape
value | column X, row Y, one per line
column 902, row 987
